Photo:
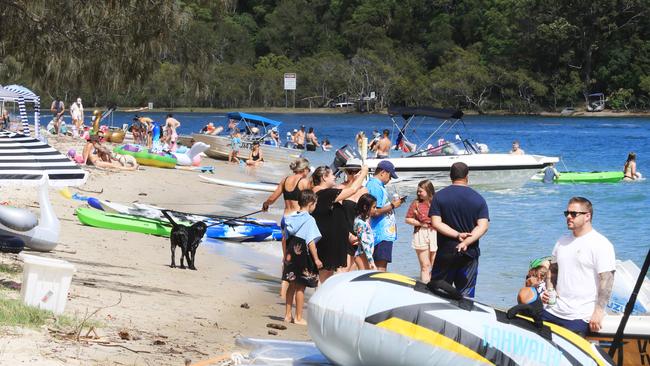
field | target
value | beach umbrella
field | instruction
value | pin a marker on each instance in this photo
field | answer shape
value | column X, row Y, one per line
column 26, row 96
column 25, row 160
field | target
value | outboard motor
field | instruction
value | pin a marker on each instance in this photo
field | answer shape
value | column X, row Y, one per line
column 342, row 156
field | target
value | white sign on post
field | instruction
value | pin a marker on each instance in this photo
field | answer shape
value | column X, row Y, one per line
column 290, row 81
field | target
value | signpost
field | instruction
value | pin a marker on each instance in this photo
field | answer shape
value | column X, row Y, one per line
column 290, row 84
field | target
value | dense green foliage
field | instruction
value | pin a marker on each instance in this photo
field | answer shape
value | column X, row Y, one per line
column 514, row 55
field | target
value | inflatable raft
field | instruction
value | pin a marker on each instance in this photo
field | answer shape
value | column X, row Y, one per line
column 146, row 157
column 375, row 318
column 586, row 177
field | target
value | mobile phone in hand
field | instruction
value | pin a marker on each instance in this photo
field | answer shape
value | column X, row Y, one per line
column 403, row 198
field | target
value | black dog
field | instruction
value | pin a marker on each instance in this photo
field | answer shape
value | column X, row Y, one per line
column 186, row 237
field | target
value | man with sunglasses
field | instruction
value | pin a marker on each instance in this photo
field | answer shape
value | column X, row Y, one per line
column 585, row 272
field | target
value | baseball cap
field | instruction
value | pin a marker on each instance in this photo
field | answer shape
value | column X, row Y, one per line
column 387, row 166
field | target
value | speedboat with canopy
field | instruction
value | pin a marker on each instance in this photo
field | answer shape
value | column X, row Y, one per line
column 431, row 157
column 254, row 129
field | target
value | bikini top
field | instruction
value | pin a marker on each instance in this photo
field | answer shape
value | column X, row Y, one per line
column 294, row 194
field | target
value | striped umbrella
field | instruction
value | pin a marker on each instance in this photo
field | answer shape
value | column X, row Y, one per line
column 27, row 96
column 24, row 160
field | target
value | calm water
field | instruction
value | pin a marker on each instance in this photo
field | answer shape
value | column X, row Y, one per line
column 525, row 222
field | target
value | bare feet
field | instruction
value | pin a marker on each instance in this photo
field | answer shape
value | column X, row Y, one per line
column 288, row 319
column 300, row 322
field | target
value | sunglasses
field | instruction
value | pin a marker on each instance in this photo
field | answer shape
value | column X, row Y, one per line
column 574, row 214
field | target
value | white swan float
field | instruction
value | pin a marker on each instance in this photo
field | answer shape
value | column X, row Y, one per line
column 186, row 159
column 38, row 234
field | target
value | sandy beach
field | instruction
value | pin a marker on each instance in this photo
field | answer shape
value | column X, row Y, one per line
column 147, row 312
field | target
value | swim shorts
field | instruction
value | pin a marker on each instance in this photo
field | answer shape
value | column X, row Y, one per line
column 383, row 251
column 577, row 325
column 456, row 269
column 425, row 238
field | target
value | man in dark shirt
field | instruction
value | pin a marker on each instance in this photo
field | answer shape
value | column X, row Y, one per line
column 460, row 216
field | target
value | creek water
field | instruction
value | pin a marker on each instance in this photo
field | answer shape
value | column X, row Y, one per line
column 524, row 222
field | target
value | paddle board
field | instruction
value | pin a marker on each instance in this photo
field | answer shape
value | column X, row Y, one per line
column 585, row 177
column 262, row 187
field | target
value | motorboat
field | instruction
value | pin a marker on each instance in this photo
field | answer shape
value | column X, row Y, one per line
column 255, row 129
column 432, row 158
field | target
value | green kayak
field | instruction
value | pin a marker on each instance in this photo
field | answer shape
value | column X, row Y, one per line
column 586, row 177
column 113, row 221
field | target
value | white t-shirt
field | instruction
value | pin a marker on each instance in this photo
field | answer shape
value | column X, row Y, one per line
column 77, row 110
column 579, row 261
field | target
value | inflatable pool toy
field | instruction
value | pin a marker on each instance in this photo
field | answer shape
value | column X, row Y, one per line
column 262, row 187
column 11, row 243
column 585, row 177
column 379, row 318
column 117, row 136
column 17, row 218
column 145, row 157
column 186, row 159
column 43, row 236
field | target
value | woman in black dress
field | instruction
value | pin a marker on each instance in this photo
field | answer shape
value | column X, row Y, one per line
column 349, row 206
column 331, row 219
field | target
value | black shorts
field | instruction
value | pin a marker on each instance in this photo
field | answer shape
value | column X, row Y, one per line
column 456, row 269
column 352, row 249
column 300, row 146
column 383, row 251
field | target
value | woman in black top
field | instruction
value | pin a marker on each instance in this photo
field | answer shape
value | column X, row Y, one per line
column 333, row 246
column 255, row 158
column 290, row 188
column 349, row 206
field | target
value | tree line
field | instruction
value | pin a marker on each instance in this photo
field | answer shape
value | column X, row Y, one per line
column 521, row 56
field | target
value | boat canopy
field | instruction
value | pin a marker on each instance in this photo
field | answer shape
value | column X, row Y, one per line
column 408, row 112
column 21, row 95
column 253, row 119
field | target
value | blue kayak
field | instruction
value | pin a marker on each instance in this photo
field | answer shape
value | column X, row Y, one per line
column 240, row 232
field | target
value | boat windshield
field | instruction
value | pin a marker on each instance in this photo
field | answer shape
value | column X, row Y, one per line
column 444, row 140
column 446, row 148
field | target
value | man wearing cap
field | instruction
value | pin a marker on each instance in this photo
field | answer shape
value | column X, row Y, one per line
column 460, row 216
column 382, row 221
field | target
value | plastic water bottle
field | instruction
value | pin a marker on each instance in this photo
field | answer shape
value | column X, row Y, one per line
column 552, row 296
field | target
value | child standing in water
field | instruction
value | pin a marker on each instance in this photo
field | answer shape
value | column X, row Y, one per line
column 235, row 144
column 365, row 207
column 425, row 240
column 301, row 262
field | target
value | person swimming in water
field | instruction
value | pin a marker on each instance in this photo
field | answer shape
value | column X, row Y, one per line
column 629, row 170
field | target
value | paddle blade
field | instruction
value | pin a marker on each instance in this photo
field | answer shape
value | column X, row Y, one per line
column 65, row 192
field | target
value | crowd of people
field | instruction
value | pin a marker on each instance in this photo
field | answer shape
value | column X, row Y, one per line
column 147, row 132
column 330, row 228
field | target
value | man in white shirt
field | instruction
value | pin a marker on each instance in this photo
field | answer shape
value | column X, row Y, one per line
column 77, row 113
column 586, row 265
